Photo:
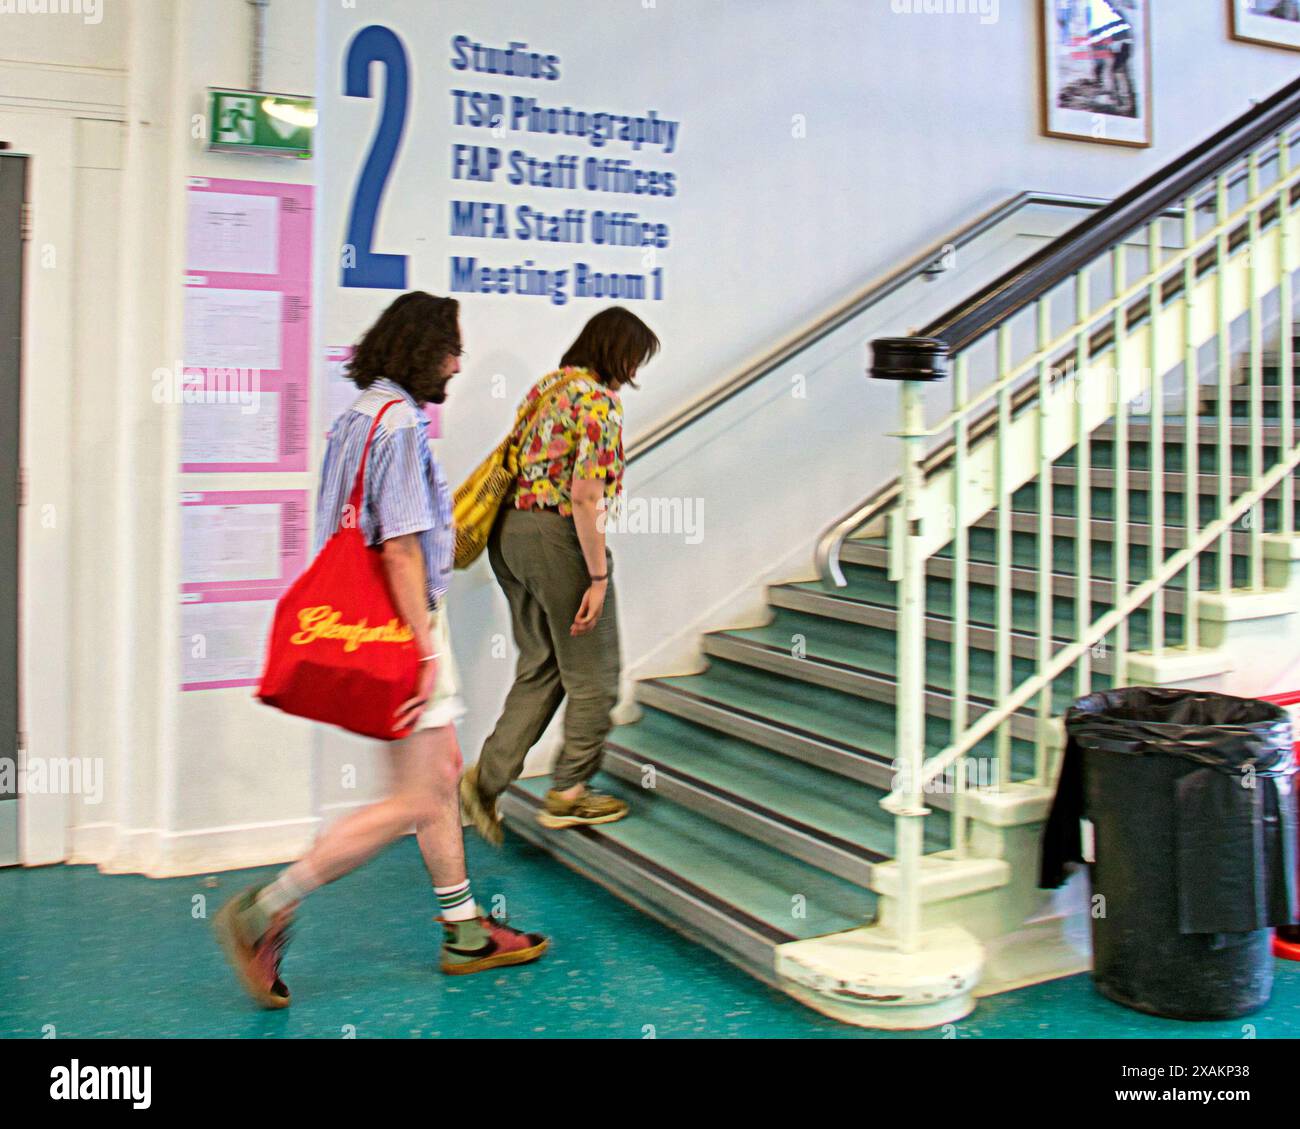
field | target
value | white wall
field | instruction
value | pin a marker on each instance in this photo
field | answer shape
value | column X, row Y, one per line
column 913, row 123
column 821, row 143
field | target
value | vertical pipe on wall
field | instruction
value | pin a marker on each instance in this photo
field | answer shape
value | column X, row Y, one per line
column 257, row 49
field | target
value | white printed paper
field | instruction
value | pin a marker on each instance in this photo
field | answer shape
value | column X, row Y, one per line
column 231, row 432
column 233, row 328
column 224, row 641
column 233, row 234
column 223, row 543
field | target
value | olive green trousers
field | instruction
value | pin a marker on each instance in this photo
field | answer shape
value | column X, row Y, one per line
column 538, row 562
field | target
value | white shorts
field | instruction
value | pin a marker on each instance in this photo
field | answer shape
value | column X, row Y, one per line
column 446, row 707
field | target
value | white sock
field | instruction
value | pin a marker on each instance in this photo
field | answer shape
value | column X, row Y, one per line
column 292, row 885
column 456, row 902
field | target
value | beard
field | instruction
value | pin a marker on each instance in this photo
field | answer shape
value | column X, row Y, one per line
column 438, row 390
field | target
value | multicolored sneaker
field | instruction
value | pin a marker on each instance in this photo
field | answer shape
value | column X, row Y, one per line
column 255, row 958
column 589, row 808
column 481, row 813
column 484, row 942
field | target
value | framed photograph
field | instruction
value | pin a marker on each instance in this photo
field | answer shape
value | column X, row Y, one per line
column 1096, row 70
column 1274, row 22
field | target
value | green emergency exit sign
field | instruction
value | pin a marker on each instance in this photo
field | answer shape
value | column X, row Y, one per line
column 249, row 121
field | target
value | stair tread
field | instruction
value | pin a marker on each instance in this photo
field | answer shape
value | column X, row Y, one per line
column 849, row 721
column 1024, row 557
column 870, row 651
column 789, row 788
column 870, row 585
column 742, row 872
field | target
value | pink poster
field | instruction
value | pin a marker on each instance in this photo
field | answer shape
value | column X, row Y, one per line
column 245, row 387
column 240, row 551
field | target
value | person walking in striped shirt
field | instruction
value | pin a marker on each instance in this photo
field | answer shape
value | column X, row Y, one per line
column 406, row 358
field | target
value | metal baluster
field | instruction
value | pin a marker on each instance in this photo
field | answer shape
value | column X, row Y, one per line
column 960, row 595
column 1191, row 428
column 1224, row 404
column 1082, row 481
column 1119, row 548
column 1256, row 515
column 1003, row 555
column 1156, row 418
column 1045, row 507
column 1286, row 374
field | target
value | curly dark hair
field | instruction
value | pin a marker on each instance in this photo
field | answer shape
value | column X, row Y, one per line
column 408, row 345
column 613, row 345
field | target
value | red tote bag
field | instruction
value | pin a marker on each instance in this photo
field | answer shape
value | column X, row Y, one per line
column 340, row 651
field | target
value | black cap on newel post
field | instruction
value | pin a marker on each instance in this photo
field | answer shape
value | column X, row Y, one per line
column 909, row 358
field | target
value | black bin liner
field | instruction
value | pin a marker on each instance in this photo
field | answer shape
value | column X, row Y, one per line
column 1192, row 803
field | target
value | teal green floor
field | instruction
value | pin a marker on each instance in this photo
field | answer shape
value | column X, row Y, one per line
column 115, row 956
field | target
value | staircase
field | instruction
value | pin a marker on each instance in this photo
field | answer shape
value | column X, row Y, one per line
column 818, row 804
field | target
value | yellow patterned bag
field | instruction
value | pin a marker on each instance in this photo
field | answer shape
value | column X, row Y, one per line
column 478, row 500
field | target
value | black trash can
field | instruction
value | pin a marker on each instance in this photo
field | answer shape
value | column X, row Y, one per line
column 1190, row 795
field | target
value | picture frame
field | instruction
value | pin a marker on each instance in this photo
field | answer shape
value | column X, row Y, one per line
column 1273, row 23
column 1095, row 69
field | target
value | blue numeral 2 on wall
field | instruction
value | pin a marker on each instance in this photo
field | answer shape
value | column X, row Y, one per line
column 375, row 44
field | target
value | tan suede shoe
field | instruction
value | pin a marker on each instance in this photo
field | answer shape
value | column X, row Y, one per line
column 589, row 808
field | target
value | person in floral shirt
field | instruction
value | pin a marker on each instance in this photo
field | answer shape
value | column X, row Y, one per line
column 549, row 556
column 579, row 434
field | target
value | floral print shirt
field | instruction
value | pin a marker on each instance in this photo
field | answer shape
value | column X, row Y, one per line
column 579, row 434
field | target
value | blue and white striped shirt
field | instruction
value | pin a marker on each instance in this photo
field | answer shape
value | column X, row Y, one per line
column 405, row 492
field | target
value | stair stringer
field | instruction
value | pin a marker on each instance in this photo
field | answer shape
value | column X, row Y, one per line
column 988, row 928
column 1249, row 641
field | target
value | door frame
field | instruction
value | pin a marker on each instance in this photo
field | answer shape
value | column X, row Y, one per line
column 13, row 237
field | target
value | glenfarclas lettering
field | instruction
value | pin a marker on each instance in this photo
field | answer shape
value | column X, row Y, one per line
column 324, row 622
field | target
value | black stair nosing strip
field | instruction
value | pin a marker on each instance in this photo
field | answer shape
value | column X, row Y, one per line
column 1175, row 432
column 1108, row 526
column 932, row 689
column 932, row 620
column 1139, row 480
column 1240, row 391
column 719, row 905
column 865, row 755
column 1023, row 577
column 752, row 807
column 1210, row 477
